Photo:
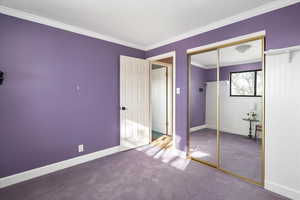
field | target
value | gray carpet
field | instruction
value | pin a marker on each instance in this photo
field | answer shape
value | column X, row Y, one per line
column 146, row 173
column 239, row 154
column 203, row 145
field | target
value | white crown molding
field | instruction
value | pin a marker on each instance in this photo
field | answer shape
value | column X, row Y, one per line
column 237, row 63
column 242, row 62
column 199, row 65
column 33, row 173
column 230, row 20
column 226, row 64
column 56, row 24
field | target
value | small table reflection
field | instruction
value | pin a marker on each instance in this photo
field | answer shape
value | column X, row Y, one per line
column 250, row 125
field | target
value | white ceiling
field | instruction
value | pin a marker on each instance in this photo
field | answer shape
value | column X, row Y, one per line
column 143, row 24
column 229, row 56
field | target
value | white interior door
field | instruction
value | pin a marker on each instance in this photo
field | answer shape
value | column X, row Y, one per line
column 135, row 102
column 159, row 99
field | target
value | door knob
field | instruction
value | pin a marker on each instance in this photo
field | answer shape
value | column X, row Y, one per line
column 123, row 108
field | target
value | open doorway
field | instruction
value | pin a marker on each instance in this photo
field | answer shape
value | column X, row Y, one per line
column 162, row 101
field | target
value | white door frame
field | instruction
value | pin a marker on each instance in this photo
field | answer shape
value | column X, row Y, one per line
column 155, row 58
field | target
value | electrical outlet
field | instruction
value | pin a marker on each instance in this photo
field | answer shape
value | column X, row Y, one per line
column 177, row 90
column 80, row 148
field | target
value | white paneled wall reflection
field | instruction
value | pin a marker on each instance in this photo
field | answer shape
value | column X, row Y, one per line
column 232, row 109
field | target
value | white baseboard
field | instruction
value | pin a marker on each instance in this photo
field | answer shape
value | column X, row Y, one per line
column 283, row 190
column 33, row 173
column 197, row 128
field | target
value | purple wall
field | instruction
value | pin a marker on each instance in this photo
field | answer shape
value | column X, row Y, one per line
column 42, row 116
column 282, row 30
column 211, row 74
column 198, row 80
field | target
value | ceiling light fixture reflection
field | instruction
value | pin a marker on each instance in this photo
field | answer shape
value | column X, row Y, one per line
column 243, row 48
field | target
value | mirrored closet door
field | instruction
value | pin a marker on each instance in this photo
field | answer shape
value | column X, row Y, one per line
column 226, row 103
column 240, row 114
column 203, row 108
